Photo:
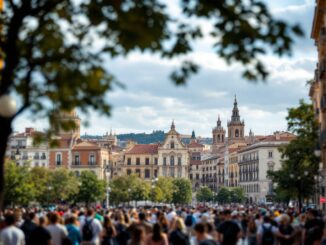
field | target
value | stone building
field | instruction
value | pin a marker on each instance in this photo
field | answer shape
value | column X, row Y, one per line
column 173, row 156
column 218, row 136
column 195, row 153
column 23, row 151
column 318, row 86
column 256, row 160
column 236, row 127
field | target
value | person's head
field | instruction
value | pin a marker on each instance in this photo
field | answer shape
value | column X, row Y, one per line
column 200, row 231
column 72, row 220
column 141, row 216
column 90, row 212
column 10, row 219
column 54, row 218
column 312, row 214
column 267, row 219
column 42, row 221
column 227, row 214
column 107, row 221
column 138, row 234
column 179, row 224
column 157, row 232
column 285, row 219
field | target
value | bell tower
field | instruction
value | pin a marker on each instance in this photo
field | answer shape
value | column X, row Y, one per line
column 236, row 127
column 218, row 135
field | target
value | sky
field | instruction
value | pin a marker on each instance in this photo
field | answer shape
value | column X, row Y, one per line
column 150, row 101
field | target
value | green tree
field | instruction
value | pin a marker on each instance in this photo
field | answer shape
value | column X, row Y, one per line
column 50, row 55
column 91, row 189
column 237, row 195
column 204, row 194
column 119, row 190
column 19, row 189
column 223, row 196
column 299, row 161
column 140, row 190
column 62, row 186
column 40, row 178
column 165, row 184
column 182, row 191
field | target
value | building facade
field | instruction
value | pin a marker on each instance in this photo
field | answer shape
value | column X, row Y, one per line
column 236, row 127
column 256, row 160
column 218, row 136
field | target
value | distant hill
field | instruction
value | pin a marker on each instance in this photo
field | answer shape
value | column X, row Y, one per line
column 143, row 138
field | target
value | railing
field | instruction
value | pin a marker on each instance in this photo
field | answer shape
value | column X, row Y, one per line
column 43, row 157
column 25, row 157
column 84, row 166
column 59, row 163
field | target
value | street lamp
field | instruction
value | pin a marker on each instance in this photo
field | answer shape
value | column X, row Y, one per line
column 108, row 190
column 129, row 190
column 8, row 106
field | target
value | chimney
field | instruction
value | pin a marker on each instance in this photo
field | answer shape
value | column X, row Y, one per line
column 277, row 135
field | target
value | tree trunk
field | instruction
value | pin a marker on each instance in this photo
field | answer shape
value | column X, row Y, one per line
column 5, row 132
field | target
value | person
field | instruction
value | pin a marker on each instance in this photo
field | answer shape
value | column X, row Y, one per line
column 40, row 235
column 57, row 231
column 313, row 228
column 73, row 230
column 251, row 232
column 190, row 222
column 11, row 235
column 121, row 228
column 143, row 221
column 228, row 233
column 286, row 230
column 266, row 233
column 157, row 237
column 28, row 226
column 177, row 236
column 109, row 232
column 202, row 236
column 91, row 229
column 137, row 236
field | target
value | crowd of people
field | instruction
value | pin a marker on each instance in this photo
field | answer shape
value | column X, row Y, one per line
column 163, row 226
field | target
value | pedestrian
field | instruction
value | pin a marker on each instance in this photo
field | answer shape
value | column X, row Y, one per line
column 73, row 230
column 202, row 236
column 28, row 226
column 58, row 232
column 178, row 235
column 11, row 235
column 91, row 229
column 228, row 233
column 137, row 236
column 109, row 232
column 157, row 237
column 40, row 235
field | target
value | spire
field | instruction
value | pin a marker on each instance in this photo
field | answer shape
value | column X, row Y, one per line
column 219, row 123
column 235, row 112
column 193, row 136
column 110, row 131
column 172, row 125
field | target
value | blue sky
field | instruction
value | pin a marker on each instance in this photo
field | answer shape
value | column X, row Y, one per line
column 150, row 100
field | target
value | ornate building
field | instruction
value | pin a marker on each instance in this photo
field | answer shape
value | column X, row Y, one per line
column 218, row 136
column 195, row 154
column 173, row 156
column 236, row 127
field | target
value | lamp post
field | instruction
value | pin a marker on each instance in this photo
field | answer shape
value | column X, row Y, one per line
column 129, row 197
column 154, row 182
column 108, row 190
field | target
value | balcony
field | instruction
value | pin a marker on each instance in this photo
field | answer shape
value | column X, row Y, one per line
column 36, row 157
column 43, row 157
column 84, row 166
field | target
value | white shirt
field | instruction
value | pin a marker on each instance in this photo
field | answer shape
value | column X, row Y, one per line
column 267, row 226
column 96, row 228
column 170, row 216
column 12, row 236
column 58, row 233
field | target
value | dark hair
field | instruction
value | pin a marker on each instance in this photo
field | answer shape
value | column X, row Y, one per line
column 157, row 232
column 227, row 212
column 137, row 233
column 53, row 218
column 200, row 228
column 31, row 215
column 141, row 216
column 267, row 219
column 90, row 212
column 9, row 219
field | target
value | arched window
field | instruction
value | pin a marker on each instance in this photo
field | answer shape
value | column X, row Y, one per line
column 58, row 159
column 218, row 138
column 172, row 160
column 172, row 144
column 237, row 133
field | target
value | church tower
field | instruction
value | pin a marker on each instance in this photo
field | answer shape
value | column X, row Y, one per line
column 218, row 136
column 236, row 127
column 66, row 118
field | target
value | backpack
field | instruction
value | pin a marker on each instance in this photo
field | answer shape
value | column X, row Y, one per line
column 268, row 236
column 87, row 231
column 188, row 221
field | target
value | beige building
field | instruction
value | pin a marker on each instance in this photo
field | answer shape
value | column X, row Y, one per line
column 142, row 160
column 173, row 156
column 318, row 86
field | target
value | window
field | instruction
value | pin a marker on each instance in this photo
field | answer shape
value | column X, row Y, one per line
column 91, row 159
column 58, row 159
column 43, row 156
column 147, row 173
column 172, row 160
column 137, row 172
column 137, row 161
column 164, row 172
column 155, row 173
column 179, row 173
column 147, row 161
column 77, row 159
column 172, row 144
column 190, row 176
column 36, row 156
column 197, row 176
column 179, row 161
column 77, row 173
column 270, row 154
column 171, row 172
column 129, row 161
column 36, row 164
column 156, row 161
column 164, row 161
column 129, row 171
column 237, row 133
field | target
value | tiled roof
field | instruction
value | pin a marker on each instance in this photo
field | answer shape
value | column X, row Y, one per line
column 144, row 149
column 274, row 138
column 84, row 145
column 194, row 145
